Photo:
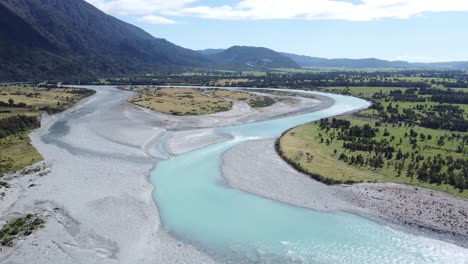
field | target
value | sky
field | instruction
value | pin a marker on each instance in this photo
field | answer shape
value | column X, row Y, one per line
column 411, row 30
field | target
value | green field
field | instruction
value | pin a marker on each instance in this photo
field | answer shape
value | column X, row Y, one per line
column 17, row 152
column 368, row 92
column 296, row 143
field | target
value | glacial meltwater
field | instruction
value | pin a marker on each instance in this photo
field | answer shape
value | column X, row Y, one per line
column 197, row 206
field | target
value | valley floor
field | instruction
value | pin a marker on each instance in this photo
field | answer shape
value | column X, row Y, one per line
column 93, row 190
column 94, row 194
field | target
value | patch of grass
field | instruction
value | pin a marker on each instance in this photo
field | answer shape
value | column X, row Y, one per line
column 179, row 101
column 261, row 101
column 33, row 101
column 305, row 149
column 231, row 94
column 18, row 228
column 17, row 153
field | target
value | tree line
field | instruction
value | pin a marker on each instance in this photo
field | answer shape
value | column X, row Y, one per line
column 16, row 124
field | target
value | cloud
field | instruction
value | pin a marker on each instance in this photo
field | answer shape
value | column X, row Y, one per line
column 366, row 10
column 152, row 19
column 363, row 10
column 139, row 7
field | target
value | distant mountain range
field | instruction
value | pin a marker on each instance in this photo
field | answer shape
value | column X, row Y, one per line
column 63, row 39
column 71, row 39
column 314, row 62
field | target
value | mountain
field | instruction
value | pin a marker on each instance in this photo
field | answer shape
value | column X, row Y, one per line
column 306, row 61
column 245, row 58
column 43, row 39
column 210, row 51
column 315, row 62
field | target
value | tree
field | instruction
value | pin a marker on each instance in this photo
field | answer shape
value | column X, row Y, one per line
column 422, row 136
column 441, row 141
column 399, row 155
column 11, row 102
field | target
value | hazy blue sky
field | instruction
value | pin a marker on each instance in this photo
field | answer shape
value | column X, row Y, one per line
column 414, row 30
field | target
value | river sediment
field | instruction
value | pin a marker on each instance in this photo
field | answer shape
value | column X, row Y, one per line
column 96, row 196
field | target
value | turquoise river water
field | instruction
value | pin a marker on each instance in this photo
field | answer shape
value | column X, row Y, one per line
column 237, row 227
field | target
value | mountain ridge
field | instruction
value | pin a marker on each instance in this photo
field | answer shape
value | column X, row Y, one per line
column 246, row 57
column 88, row 42
column 308, row 61
column 73, row 40
column 318, row 62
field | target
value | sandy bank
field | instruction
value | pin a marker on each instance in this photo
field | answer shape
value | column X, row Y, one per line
column 255, row 167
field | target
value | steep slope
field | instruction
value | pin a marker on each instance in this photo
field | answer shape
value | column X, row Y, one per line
column 60, row 38
column 245, row 58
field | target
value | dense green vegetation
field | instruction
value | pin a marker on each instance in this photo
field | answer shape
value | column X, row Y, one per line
column 16, row 124
column 18, row 228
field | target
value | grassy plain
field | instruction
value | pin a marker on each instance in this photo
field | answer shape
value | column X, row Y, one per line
column 296, row 143
column 305, row 148
column 231, row 94
column 16, row 150
column 37, row 99
column 367, row 92
column 179, row 101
